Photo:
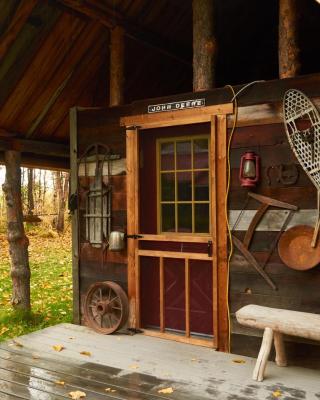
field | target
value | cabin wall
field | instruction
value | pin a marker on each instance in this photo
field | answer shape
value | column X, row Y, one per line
column 93, row 126
column 297, row 290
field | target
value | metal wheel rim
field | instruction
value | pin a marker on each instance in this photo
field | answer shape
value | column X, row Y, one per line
column 106, row 307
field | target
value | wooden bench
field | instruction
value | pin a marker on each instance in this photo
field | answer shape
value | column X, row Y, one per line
column 277, row 323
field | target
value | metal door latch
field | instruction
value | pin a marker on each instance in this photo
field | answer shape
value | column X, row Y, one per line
column 209, row 248
column 134, row 236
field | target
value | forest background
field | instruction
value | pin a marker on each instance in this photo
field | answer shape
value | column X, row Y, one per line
column 47, row 225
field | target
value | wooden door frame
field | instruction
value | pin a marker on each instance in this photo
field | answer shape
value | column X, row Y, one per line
column 217, row 116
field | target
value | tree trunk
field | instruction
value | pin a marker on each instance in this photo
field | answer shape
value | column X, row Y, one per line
column 44, row 192
column 18, row 241
column 116, row 66
column 289, row 63
column 204, row 45
column 62, row 185
column 30, row 191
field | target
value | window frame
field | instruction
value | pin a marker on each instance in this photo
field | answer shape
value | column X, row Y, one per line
column 159, row 171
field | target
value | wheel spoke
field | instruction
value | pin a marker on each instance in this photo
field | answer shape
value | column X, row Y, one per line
column 100, row 293
column 116, row 308
column 115, row 298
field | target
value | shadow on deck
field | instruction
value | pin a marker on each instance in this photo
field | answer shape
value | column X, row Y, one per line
column 138, row 368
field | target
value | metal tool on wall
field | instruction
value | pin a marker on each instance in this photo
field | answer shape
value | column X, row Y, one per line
column 295, row 250
column 286, row 174
column 302, row 125
column 244, row 246
column 94, row 181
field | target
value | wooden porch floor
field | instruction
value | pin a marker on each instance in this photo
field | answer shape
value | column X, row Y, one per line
column 137, row 367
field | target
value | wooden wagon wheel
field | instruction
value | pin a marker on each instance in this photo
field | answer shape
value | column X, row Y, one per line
column 106, row 307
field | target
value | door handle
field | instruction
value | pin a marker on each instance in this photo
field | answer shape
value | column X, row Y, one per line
column 134, row 236
column 209, row 248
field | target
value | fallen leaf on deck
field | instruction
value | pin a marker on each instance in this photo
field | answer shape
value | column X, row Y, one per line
column 134, row 366
column 85, row 353
column 59, row 383
column 35, row 357
column 58, row 347
column 109, row 390
column 194, row 359
column 71, row 337
column 166, row 390
column 77, row 395
column 16, row 343
column 276, row 393
column 239, row 361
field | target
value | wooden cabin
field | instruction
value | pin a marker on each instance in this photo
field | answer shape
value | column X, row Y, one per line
column 169, row 187
column 161, row 167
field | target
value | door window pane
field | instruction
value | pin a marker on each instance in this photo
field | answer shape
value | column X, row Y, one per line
column 167, row 156
column 185, row 218
column 184, row 155
column 201, row 185
column 184, row 186
column 201, row 218
column 167, row 187
column 200, row 154
column 168, row 217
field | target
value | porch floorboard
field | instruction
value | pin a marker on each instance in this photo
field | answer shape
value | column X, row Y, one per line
column 137, row 367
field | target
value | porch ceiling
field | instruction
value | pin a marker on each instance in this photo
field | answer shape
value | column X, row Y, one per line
column 54, row 54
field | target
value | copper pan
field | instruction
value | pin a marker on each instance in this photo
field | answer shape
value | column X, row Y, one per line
column 295, row 248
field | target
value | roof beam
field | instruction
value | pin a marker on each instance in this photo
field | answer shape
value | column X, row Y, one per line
column 49, row 149
column 22, row 14
column 111, row 18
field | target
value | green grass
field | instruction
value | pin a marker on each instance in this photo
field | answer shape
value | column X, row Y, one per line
column 51, row 284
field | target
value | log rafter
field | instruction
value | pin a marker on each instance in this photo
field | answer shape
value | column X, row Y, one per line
column 111, row 18
column 22, row 14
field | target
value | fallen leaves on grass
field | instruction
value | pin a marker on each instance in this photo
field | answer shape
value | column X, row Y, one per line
column 85, row 353
column 3, row 330
column 168, row 390
column 51, row 296
column 77, row 395
column 58, row 347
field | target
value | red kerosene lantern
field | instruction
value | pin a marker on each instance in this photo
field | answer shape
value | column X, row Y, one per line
column 249, row 174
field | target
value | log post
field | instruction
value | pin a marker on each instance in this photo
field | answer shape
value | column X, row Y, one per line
column 116, row 66
column 289, row 63
column 18, row 241
column 204, row 45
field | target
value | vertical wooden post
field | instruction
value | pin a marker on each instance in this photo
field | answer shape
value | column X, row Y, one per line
column 214, row 228
column 222, row 232
column 75, row 215
column 132, row 222
column 289, row 63
column 18, row 241
column 116, row 66
column 204, row 45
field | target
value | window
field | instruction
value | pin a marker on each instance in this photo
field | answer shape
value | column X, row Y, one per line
column 184, row 185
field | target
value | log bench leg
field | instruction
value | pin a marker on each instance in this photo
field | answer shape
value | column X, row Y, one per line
column 281, row 359
column 263, row 356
